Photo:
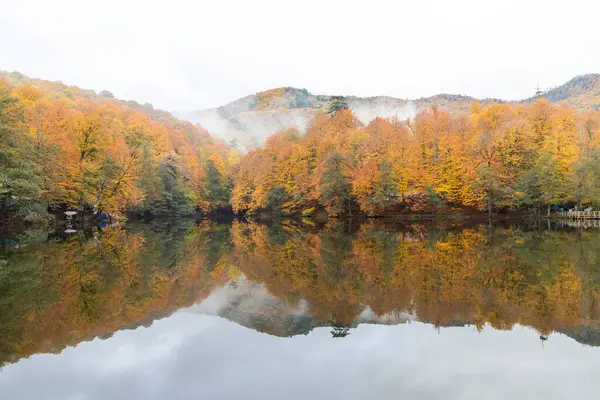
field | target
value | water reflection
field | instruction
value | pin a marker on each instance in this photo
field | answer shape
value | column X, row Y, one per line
column 193, row 356
column 292, row 278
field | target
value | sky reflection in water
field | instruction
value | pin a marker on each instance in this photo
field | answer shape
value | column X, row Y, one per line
column 269, row 337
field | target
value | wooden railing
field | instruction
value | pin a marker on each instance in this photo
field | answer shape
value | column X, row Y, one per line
column 579, row 214
column 579, row 223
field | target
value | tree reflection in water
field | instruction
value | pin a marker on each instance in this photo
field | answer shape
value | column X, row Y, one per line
column 56, row 293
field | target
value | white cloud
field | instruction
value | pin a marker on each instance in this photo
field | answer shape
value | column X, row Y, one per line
column 196, row 54
column 198, row 356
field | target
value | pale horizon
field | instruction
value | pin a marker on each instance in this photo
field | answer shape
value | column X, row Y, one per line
column 192, row 56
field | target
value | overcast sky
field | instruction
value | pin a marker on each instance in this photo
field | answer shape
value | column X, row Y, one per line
column 181, row 55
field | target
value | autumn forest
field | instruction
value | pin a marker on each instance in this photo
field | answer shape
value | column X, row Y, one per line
column 61, row 147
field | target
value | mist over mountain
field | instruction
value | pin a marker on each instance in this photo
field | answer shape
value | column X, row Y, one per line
column 249, row 120
column 253, row 118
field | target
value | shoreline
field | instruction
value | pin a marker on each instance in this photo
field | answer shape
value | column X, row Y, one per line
column 88, row 221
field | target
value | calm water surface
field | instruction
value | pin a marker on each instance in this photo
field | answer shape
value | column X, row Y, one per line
column 348, row 310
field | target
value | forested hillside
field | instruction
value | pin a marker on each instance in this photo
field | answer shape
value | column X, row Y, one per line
column 581, row 93
column 498, row 157
column 253, row 118
column 67, row 147
column 250, row 120
column 62, row 147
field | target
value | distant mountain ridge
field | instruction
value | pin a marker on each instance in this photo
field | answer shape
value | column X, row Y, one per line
column 581, row 92
column 250, row 119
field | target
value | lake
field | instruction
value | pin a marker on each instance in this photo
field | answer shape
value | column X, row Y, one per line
column 349, row 309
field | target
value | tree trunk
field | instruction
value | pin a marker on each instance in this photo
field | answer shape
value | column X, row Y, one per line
column 548, row 210
column 99, row 196
column 580, row 191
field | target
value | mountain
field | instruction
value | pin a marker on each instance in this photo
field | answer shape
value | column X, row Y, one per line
column 59, row 90
column 251, row 119
column 581, row 93
column 63, row 146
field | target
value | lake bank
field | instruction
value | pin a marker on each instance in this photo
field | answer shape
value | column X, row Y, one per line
column 86, row 221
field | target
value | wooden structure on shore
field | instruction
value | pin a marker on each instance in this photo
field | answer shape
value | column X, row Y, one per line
column 578, row 223
column 578, row 215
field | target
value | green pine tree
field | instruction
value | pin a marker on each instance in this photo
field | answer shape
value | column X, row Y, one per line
column 337, row 104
